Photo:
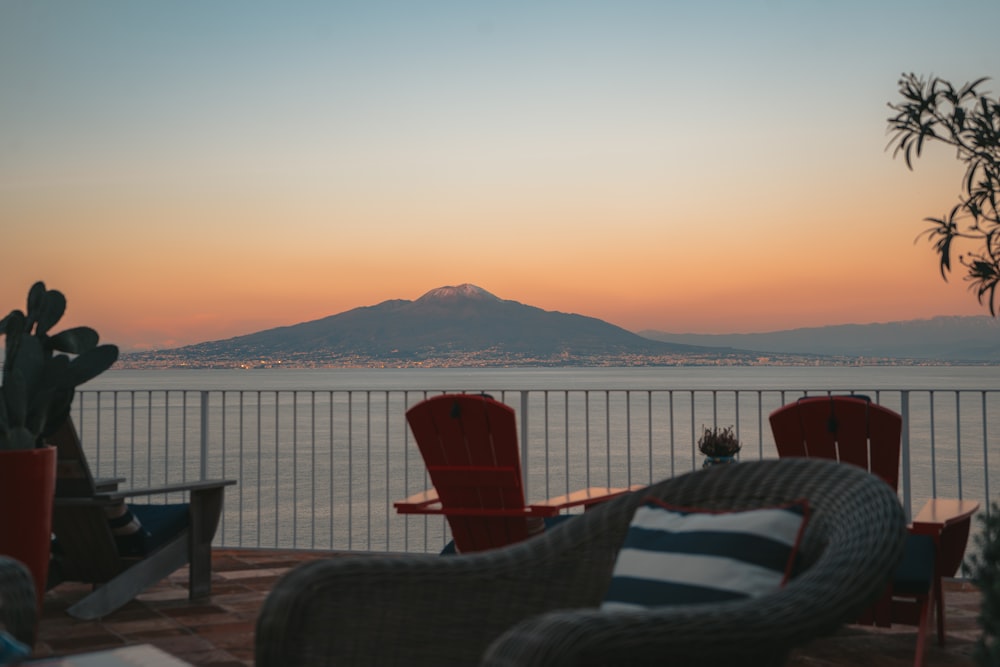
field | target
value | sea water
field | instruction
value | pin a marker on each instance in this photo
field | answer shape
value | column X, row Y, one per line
column 645, row 377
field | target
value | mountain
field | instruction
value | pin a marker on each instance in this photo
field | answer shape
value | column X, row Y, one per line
column 461, row 325
column 467, row 326
column 974, row 339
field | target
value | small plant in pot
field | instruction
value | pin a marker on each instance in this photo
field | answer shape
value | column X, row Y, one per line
column 41, row 372
column 719, row 445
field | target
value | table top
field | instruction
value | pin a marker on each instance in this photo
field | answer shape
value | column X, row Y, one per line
column 138, row 655
column 944, row 511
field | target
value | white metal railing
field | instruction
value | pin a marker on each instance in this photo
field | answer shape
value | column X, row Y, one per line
column 319, row 469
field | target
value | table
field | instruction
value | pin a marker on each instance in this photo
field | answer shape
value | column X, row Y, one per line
column 138, row 655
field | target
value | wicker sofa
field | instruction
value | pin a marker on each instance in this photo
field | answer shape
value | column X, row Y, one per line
column 537, row 602
column 18, row 615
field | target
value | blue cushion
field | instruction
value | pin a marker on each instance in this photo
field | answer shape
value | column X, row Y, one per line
column 550, row 521
column 916, row 573
column 161, row 523
column 681, row 555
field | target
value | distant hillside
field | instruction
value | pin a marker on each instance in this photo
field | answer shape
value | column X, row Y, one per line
column 467, row 326
column 948, row 339
column 464, row 325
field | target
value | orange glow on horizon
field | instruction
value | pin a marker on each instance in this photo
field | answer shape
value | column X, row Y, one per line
column 650, row 167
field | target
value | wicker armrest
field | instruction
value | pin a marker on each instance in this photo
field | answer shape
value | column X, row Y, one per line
column 537, row 602
column 417, row 609
column 758, row 631
column 17, row 600
column 852, row 544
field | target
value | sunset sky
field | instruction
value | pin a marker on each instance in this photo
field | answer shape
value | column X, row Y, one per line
column 193, row 170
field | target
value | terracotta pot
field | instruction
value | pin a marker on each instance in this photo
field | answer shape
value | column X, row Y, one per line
column 27, row 489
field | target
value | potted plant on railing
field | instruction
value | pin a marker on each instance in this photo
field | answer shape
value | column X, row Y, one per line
column 40, row 375
column 719, row 445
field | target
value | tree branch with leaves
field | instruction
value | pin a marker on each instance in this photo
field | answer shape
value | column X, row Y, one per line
column 968, row 120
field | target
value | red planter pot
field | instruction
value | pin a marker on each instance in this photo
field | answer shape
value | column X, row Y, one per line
column 27, row 489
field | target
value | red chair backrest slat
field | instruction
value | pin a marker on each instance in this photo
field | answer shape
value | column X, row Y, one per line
column 849, row 429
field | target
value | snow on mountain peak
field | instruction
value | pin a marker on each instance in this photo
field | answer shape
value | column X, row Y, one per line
column 465, row 290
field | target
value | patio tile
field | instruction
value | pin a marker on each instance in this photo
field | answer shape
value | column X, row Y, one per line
column 219, row 632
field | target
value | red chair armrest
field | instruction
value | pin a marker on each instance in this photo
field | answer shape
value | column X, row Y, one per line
column 939, row 513
column 948, row 520
column 425, row 502
column 586, row 497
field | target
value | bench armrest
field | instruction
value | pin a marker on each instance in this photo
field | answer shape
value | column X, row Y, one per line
column 179, row 487
column 108, row 483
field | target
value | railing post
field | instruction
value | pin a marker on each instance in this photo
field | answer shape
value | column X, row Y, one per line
column 904, row 410
column 204, row 434
column 958, row 440
column 524, row 441
column 986, row 454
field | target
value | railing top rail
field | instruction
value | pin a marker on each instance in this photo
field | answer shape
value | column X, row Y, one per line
column 514, row 388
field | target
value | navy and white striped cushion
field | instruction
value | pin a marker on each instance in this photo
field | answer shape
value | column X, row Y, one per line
column 677, row 555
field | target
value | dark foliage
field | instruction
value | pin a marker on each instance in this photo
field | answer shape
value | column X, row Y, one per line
column 967, row 119
column 984, row 569
column 39, row 384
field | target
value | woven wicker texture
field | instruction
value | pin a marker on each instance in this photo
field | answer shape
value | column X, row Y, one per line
column 535, row 603
column 17, row 600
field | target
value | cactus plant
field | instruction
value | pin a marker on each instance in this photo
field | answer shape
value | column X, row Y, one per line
column 39, row 375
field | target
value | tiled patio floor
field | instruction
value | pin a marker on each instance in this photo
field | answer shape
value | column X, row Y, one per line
column 219, row 631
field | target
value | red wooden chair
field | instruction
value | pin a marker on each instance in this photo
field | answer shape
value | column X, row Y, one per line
column 469, row 445
column 852, row 429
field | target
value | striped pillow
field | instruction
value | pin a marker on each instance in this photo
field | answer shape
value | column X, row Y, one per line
column 679, row 555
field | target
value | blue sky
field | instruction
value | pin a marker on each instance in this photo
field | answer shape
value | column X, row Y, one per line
column 205, row 169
